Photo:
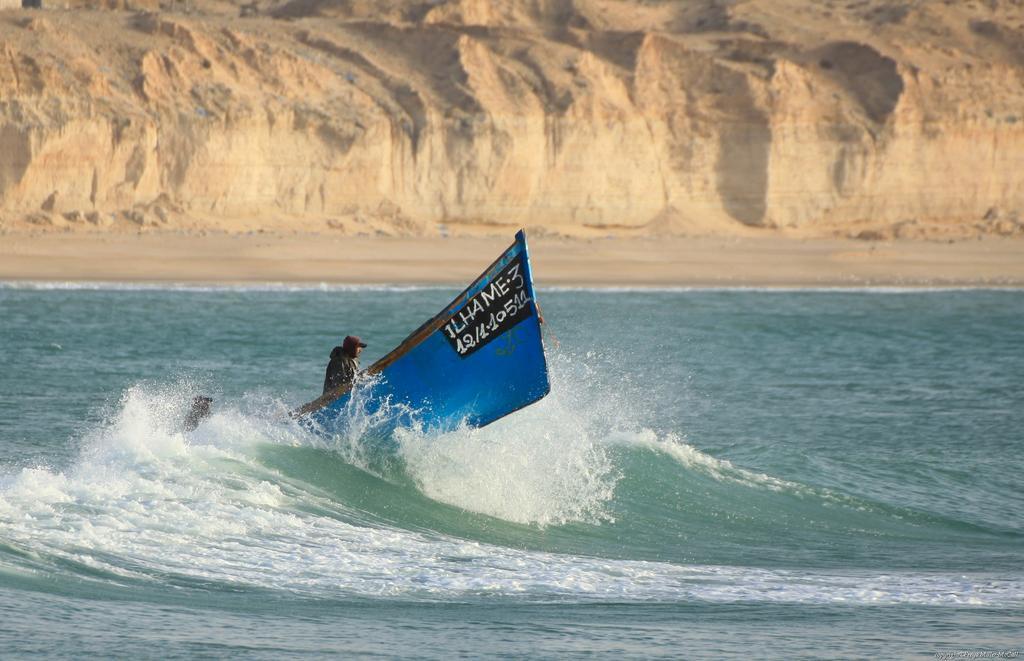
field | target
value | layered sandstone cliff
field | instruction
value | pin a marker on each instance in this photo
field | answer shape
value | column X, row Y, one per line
column 865, row 118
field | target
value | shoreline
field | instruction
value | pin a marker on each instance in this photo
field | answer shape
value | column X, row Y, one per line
column 258, row 259
column 271, row 287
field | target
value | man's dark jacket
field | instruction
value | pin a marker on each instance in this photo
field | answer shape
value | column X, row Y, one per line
column 341, row 370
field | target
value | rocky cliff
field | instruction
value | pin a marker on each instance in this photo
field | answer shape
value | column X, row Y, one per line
column 868, row 118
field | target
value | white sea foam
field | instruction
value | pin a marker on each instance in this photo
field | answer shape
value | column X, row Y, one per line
column 692, row 458
column 99, row 285
column 535, row 470
column 73, row 285
column 548, row 464
column 782, row 289
column 724, row 470
column 146, row 502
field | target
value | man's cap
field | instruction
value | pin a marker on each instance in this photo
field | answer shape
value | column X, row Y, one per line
column 351, row 342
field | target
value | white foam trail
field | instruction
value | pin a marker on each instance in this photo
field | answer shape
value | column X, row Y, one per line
column 785, row 289
column 530, row 470
column 692, row 458
column 724, row 470
column 550, row 464
column 82, row 285
column 286, row 287
column 145, row 502
column 547, row 464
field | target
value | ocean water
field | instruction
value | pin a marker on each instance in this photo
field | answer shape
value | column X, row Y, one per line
column 730, row 473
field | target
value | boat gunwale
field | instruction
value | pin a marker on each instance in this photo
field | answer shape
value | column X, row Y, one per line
column 417, row 336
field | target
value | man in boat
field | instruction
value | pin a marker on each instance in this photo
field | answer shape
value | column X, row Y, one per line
column 344, row 363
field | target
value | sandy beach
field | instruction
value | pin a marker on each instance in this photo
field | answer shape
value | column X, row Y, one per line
column 676, row 262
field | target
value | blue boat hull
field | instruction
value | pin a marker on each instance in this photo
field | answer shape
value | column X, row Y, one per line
column 479, row 359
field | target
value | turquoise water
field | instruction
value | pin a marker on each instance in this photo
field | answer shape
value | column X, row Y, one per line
column 716, row 473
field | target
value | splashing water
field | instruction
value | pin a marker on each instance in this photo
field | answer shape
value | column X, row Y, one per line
column 738, row 469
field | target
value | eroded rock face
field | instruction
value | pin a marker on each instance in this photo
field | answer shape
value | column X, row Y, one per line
column 862, row 119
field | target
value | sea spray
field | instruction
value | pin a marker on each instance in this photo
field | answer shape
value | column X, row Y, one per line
column 362, row 432
column 548, row 464
column 534, row 471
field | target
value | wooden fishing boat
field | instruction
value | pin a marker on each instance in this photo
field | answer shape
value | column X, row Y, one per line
column 479, row 359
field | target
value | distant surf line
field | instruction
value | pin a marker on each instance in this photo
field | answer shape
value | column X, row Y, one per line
column 286, row 287
column 270, row 287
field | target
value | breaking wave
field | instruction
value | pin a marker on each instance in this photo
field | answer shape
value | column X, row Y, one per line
column 572, row 499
